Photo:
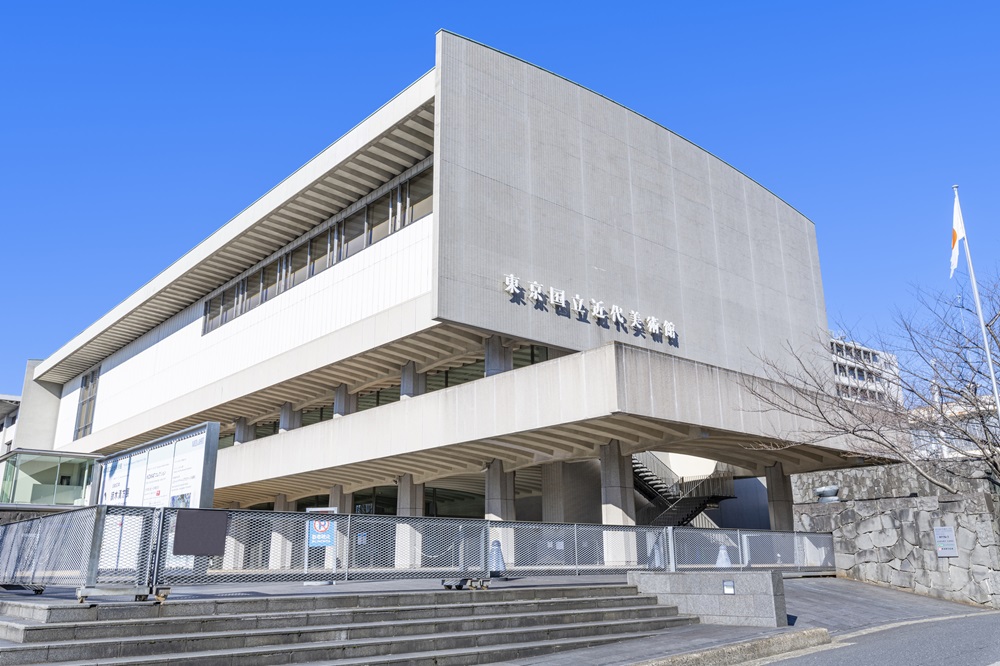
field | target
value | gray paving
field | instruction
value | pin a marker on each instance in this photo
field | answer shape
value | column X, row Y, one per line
column 841, row 606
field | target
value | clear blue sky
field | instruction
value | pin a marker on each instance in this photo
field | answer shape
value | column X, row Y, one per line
column 130, row 131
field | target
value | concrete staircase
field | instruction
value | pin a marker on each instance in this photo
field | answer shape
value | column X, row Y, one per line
column 456, row 627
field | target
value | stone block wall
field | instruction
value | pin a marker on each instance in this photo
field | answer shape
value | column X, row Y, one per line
column 899, row 480
column 891, row 542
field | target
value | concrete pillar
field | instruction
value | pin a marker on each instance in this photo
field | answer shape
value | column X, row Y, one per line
column 779, row 498
column 289, row 419
column 409, row 539
column 344, row 402
column 553, row 497
column 235, row 553
column 245, row 432
column 341, row 501
column 498, row 358
column 499, row 493
column 280, row 554
column 409, row 497
column 411, row 382
column 617, row 490
column 617, row 505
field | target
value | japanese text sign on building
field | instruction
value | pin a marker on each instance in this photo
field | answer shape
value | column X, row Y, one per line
column 585, row 310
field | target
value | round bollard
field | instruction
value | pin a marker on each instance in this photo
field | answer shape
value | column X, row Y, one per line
column 723, row 561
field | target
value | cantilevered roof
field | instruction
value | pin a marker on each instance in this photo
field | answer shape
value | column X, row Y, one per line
column 8, row 404
column 387, row 143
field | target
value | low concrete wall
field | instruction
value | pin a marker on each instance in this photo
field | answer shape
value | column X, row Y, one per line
column 758, row 599
column 891, row 542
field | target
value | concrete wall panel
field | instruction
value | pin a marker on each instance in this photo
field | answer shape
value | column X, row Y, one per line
column 556, row 184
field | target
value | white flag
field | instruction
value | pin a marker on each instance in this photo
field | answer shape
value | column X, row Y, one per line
column 957, row 234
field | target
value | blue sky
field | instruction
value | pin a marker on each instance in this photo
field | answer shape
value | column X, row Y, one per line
column 130, row 131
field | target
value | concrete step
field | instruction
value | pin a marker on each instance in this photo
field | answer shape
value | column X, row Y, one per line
column 40, row 611
column 465, row 647
column 29, row 631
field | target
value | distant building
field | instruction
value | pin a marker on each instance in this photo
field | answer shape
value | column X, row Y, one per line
column 864, row 373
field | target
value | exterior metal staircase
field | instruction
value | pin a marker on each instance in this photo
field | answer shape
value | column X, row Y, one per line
column 674, row 500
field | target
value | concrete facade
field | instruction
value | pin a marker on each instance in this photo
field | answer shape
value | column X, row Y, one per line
column 751, row 599
column 651, row 278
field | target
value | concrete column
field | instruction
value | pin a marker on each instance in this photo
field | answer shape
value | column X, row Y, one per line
column 617, row 490
column 553, row 497
column 344, row 402
column 245, row 432
column 499, row 493
column 409, row 539
column 280, row 554
column 341, row 501
column 235, row 554
column 498, row 358
column 411, row 382
column 289, row 419
column 618, row 505
column 409, row 497
column 779, row 498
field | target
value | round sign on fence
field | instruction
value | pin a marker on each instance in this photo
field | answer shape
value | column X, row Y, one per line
column 321, row 525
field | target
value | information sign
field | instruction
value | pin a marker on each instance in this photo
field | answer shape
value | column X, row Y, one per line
column 944, row 541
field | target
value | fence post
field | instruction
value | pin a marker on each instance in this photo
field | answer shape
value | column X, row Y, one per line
column 96, row 540
column 347, row 551
column 155, row 541
column 671, row 549
column 576, row 549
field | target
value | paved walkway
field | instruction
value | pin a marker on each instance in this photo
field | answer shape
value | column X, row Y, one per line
column 840, row 606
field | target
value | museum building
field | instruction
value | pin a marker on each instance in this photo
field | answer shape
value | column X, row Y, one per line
column 492, row 297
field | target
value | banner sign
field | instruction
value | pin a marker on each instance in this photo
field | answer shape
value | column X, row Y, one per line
column 176, row 471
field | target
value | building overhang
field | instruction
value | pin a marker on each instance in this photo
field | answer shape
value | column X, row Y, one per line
column 563, row 409
column 393, row 139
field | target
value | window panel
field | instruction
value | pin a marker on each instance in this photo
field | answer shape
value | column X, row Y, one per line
column 319, row 253
column 378, row 219
column 252, row 298
column 270, row 289
column 298, row 266
column 354, row 234
column 421, row 189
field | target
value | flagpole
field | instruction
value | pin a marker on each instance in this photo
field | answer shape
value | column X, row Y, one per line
column 979, row 311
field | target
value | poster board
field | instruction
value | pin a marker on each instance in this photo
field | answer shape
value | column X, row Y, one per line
column 176, row 471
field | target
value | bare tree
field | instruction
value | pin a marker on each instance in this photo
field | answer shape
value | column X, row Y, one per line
column 920, row 394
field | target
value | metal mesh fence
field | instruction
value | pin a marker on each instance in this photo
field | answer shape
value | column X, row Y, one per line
column 135, row 547
column 53, row 550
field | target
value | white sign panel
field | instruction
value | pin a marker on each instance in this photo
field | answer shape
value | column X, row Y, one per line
column 176, row 471
column 944, row 541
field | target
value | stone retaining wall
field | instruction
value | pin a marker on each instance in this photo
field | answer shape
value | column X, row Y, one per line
column 891, row 542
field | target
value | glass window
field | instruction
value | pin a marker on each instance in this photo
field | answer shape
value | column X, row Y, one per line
column 319, row 253
column 379, row 212
column 35, row 482
column 88, row 397
column 270, row 285
column 400, row 206
column 229, row 304
column 213, row 314
column 421, row 202
column 354, row 234
column 252, row 298
column 298, row 265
